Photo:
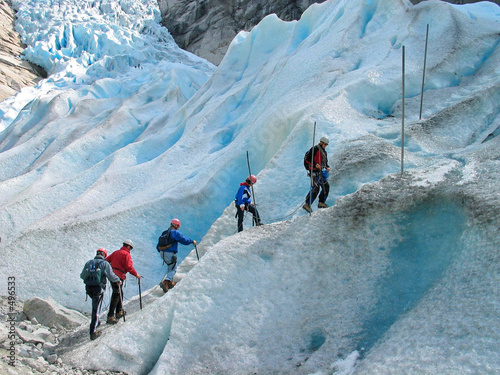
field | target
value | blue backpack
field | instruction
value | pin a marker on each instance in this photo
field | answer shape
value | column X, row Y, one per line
column 93, row 273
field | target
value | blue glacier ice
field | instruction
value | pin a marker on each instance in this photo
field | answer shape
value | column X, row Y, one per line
column 400, row 275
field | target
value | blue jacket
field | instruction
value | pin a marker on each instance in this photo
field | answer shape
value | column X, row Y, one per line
column 178, row 237
column 243, row 196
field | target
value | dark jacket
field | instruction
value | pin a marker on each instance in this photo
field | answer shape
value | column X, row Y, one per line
column 320, row 157
column 107, row 274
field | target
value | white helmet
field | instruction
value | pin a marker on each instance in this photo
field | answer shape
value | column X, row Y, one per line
column 128, row 242
column 325, row 140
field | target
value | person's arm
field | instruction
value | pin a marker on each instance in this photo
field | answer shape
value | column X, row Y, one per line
column 110, row 274
column 317, row 157
column 129, row 266
column 180, row 238
column 239, row 197
column 249, row 199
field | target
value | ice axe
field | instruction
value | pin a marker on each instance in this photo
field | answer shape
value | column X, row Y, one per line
column 120, row 292
column 196, row 248
column 140, row 294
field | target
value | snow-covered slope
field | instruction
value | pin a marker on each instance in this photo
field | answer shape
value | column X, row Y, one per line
column 401, row 274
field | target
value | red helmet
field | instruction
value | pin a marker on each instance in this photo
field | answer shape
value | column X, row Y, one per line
column 103, row 251
column 176, row 223
column 252, row 179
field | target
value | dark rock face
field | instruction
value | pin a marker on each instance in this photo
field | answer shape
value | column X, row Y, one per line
column 203, row 27
column 207, row 27
column 15, row 73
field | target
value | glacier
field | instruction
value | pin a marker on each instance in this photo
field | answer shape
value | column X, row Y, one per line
column 400, row 275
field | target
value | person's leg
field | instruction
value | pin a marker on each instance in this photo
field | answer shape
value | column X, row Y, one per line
column 96, row 301
column 325, row 189
column 253, row 210
column 96, row 294
column 313, row 192
column 171, row 260
column 240, row 215
column 115, row 300
column 119, row 304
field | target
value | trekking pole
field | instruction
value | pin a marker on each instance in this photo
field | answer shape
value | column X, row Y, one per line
column 196, row 248
column 99, row 307
column 403, row 112
column 254, row 220
column 140, row 294
column 423, row 73
column 120, row 292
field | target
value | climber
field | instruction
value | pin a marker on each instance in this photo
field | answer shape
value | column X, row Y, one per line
column 95, row 275
column 168, row 248
column 316, row 163
column 243, row 202
column 121, row 262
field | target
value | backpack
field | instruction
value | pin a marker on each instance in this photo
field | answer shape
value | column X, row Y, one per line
column 307, row 159
column 165, row 240
column 93, row 271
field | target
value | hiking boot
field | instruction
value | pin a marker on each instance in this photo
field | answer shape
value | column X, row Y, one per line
column 111, row 320
column 164, row 286
column 260, row 223
column 95, row 335
column 170, row 284
column 307, row 208
column 120, row 314
column 322, row 205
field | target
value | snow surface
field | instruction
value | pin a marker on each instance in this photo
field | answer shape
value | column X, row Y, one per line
column 400, row 275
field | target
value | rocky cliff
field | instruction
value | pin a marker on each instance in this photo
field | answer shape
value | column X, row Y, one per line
column 15, row 73
column 207, row 27
column 203, row 27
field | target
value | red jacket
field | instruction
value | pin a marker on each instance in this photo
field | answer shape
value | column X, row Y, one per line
column 320, row 157
column 121, row 262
